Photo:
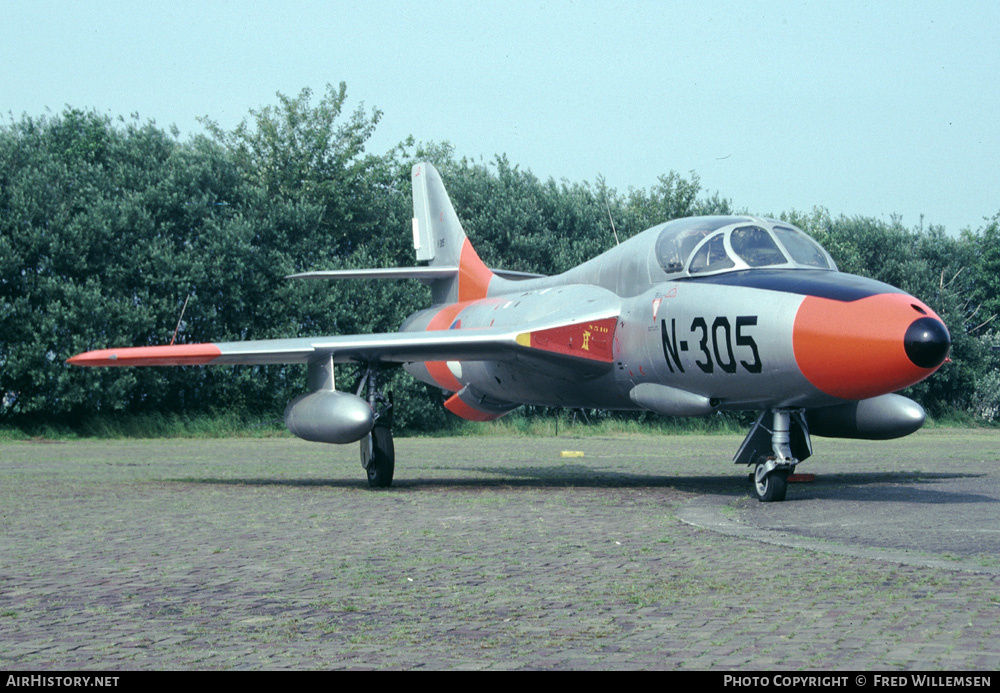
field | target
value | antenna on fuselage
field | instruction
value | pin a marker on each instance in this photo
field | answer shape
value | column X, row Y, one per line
column 184, row 308
column 613, row 230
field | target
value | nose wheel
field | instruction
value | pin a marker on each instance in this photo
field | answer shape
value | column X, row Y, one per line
column 772, row 485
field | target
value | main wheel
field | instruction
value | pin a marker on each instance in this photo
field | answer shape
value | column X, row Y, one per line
column 770, row 488
column 378, row 456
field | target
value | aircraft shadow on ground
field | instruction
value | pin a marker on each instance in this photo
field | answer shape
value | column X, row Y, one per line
column 896, row 487
column 525, row 477
column 876, row 486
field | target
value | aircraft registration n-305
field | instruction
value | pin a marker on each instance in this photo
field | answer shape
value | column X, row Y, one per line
column 687, row 318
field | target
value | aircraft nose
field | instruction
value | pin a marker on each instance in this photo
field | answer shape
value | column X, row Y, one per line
column 927, row 342
column 869, row 346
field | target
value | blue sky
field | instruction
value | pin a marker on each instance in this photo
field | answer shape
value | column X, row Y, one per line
column 863, row 108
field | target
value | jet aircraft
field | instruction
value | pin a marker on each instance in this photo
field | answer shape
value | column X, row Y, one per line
column 690, row 317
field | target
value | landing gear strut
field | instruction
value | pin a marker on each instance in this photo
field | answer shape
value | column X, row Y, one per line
column 378, row 454
column 775, row 451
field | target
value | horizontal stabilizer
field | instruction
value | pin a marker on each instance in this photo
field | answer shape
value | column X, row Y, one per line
column 517, row 276
column 381, row 273
column 405, row 273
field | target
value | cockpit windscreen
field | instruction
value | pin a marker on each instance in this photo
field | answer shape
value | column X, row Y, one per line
column 703, row 245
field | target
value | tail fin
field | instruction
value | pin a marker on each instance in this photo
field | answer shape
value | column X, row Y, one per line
column 438, row 237
column 455, row 272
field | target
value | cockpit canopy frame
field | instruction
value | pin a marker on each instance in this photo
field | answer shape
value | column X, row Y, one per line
column 700, row 246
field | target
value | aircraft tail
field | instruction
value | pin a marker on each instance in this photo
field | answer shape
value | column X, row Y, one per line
column 454, row 271
column 438, row 238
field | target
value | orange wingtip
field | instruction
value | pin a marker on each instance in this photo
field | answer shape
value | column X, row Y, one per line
column 171, row 355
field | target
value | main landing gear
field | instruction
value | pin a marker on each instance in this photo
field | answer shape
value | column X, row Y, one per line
column 378, row 454
column 775, row 451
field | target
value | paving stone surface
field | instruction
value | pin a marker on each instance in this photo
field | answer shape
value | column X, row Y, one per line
column 497, row 553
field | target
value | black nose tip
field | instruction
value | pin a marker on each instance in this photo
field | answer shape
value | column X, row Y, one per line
column 927, row 342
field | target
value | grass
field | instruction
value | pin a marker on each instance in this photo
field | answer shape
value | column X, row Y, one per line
column 171, row 425
column 228, row 424
column 149, row 425
column 518, row 424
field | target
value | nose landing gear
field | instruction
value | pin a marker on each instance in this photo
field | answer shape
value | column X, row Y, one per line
column 775, row 451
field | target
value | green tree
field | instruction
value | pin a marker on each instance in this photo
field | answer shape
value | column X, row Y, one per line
column 107, row 228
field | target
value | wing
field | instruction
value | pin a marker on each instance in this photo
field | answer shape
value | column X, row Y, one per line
column 400, row 347
column 559, row 342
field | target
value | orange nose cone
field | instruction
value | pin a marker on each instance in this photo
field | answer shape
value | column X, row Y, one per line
column 868, row 347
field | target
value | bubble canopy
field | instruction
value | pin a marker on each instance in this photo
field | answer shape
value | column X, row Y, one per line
column 696, row 246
